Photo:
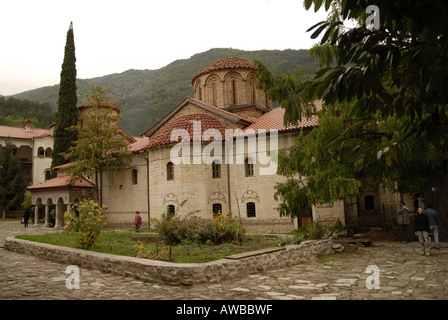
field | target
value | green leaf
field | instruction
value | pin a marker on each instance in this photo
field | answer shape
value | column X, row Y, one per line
column 317, row 5
column 319, row 30
column 308, row 4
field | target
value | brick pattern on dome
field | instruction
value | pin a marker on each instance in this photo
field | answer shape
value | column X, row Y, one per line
column 228, row 63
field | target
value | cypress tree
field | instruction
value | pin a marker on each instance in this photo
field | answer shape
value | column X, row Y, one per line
column 67, row 113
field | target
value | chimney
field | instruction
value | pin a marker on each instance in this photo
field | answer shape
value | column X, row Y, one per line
column 27, row 125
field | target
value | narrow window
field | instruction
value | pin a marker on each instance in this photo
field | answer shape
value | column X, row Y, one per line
column 48, row 153
column 249, row 167
column 253, row 91
column 369, row 203
column 214, row 93
column 47, row 175
column 250, row 207
column 217, row 208
column 200, row 93
column 234, row 92
column 134, row 176
column 216, row 170
column 170, row 171
column 41, row 152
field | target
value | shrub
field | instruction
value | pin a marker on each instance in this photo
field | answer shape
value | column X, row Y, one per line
column 316, row 231
column 223, row 228
column 86, row 220
column 313, row 232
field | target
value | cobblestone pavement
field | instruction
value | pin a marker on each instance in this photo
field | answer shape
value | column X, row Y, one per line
column 402, row 274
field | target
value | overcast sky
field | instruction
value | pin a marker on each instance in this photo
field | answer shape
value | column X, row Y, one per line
column 114, row 36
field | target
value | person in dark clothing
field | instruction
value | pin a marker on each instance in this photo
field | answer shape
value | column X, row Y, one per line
column 433, row 218
column 26, row 217
column 422, row 230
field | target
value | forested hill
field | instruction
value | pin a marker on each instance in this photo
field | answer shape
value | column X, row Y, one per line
column 14, row 112
column 145, row 96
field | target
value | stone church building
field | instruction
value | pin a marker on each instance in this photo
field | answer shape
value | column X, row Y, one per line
column 213, row 152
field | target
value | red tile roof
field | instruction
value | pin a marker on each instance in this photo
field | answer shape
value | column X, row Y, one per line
column 234, row 117
column 22, row 133
column 140, row 144
column 228, row 63
column 186, row 123
column 62, row 182
column 273, row 120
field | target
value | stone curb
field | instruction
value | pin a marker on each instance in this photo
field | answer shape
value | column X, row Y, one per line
column 173, row 273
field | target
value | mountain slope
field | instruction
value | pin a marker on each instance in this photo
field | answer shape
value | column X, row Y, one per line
column 145, row 96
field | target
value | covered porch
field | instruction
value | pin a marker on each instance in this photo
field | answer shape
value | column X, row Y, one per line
column 57, row 196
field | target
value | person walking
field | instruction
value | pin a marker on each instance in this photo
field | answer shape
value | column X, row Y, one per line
column 137, row 221
column 26, row 216
column 422, row 230
column 403, row 221
column 433, row 218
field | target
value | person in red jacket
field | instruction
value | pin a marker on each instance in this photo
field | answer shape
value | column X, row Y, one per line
column 422, row 230
column 137, row 221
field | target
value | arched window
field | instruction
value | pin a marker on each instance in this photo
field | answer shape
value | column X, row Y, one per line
column 216, row 169
column 47, row 174
column 249, row 167
column 369, row 203
column 134, row 176
column 48, row 152
column 217, row 208
column 170, row 171
column 41, row 152
column 234, row 92
column 250, row 208
column 200, row 93
column 171, row 210
column 214, row 93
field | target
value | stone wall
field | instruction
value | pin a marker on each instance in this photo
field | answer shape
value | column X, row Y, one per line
column 174, row 273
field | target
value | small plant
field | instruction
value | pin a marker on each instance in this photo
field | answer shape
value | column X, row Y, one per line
column 316, row 231
column 86, row 220
column 163, row 254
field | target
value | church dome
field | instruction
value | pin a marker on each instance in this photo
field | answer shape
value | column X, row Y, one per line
column 226, row 64
column 231, row 84
column 102, row 104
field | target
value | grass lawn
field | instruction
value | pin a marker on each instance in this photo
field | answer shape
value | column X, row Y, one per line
column 124, row 243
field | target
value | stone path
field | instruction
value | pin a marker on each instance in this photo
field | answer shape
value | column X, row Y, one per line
column 403, row 274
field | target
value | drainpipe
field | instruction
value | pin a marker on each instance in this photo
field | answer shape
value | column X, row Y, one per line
column 228, row 178
column 147, row 191
column 147, row 187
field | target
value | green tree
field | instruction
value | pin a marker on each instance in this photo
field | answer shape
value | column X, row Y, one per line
column 12, row 179
column 101, row 144
column 385, row 90
column 67, row 113
column 86, row 220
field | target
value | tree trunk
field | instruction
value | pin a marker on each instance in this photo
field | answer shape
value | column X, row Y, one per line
column 101, row 188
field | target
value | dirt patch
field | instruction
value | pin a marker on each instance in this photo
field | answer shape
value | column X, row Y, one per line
column 378, row 235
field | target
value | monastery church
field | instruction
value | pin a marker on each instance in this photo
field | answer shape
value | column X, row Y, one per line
column 226, row 106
